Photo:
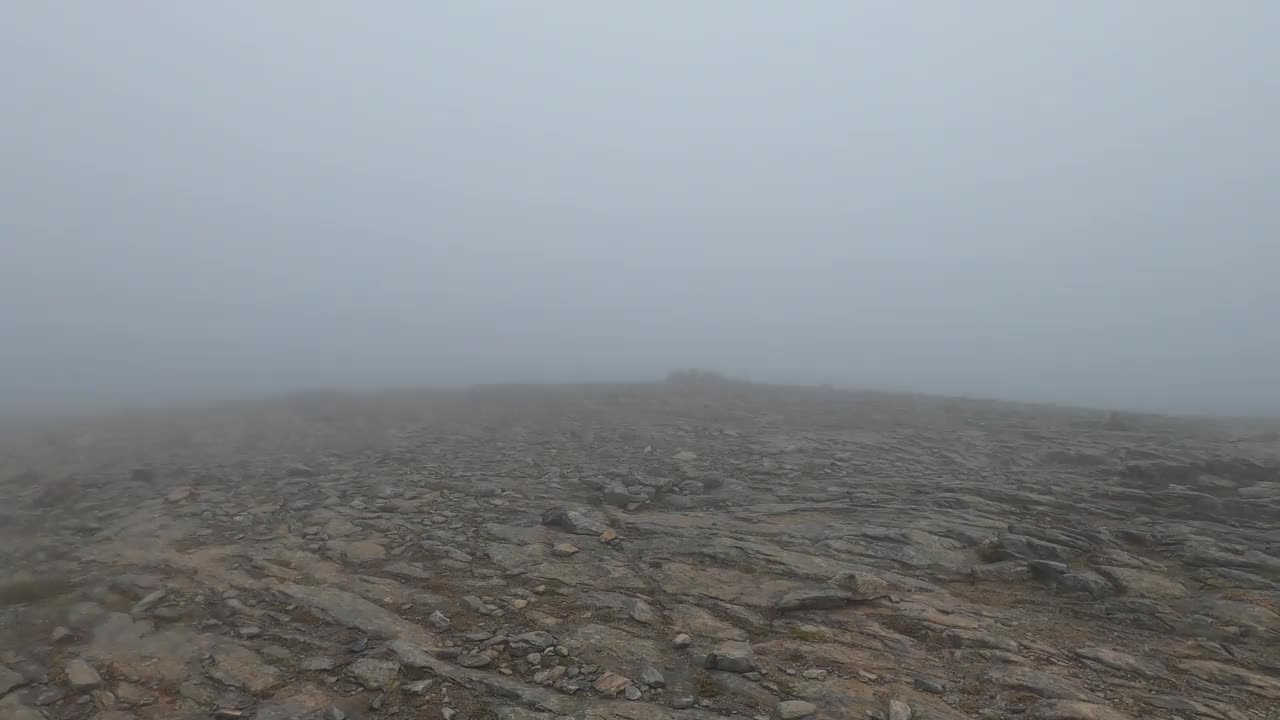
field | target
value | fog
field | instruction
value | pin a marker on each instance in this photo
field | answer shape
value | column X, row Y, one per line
column 1067, row 202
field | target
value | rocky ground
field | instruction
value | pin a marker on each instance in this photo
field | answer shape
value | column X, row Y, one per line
column 691, row 549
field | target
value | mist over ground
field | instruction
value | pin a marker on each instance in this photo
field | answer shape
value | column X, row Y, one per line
column 1053, row 202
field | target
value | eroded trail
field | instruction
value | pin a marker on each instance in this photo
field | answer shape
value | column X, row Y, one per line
column 681, row 550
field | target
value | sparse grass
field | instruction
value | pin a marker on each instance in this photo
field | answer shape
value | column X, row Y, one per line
column 57, row 493
column 25, row 478
column 21, row 592
column 1257, row 599
column 706, row 686
column 798, row 656
column 809, row 634
column 910, row 627
column 990, row 550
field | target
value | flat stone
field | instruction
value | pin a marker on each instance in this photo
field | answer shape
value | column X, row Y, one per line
column 1258, row 619
column 9, row 680
column 11, row 709
column 1120, row 558
column 293, row 702
column 795, row 709
column 564, row 550
column 732, row 656
column 572, row 521
column 862, row 585
column 1047, row 569
column 610, row 647
column 619, row 495
column 1191, row 708
column 1012, row 546
column 51, row 695
column 240, row 667
column 298, row 470
column 1117, row 660
column 340, row 528
column 1046, row 685
column 652, row 677
column 149, row 601
column 81, row 675
column 1232, row 676
column 961, row 638
column 476, row 605
column 814, row 599
column 438, row 621
column 1086, row 582
column 634, row 608
column 374, row 674
column 929, row 685
column 1072, row 710
column 319, row 663
column 179, row 494
column 1143, row 583
column 84, row 613
column 357, row 552
column 1005, row 571
column 131, row 694
column 551, row 675
column 447, row 551
column 536, row 640
column 475, row 660
column 612, row 683
column 1075, row 541
column 408, row 570
column 419, row 687
column 355, row 612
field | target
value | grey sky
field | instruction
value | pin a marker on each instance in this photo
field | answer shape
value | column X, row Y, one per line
column 1056, row 201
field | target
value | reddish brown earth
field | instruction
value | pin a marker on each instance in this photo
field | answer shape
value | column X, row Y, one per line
column 690, row 550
